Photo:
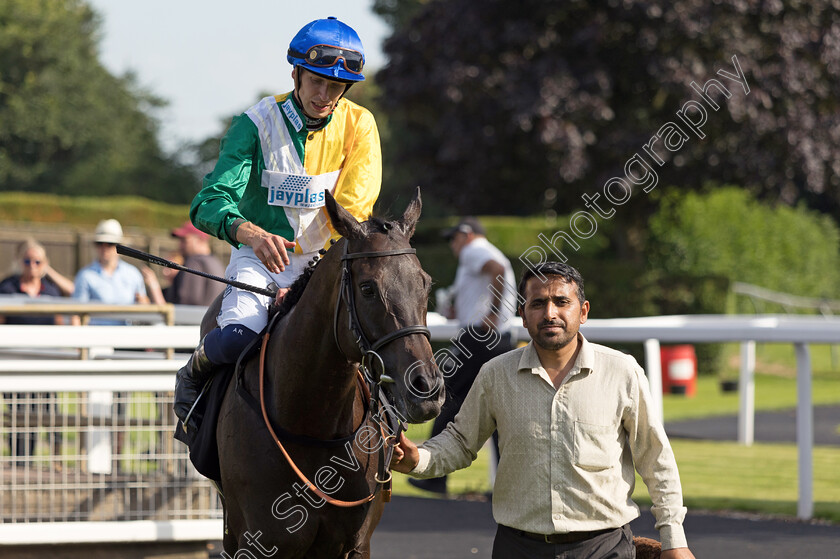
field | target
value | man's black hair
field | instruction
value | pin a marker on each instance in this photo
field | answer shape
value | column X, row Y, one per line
column 568, row 273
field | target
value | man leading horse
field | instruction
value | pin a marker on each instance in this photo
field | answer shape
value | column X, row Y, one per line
column 265, row 195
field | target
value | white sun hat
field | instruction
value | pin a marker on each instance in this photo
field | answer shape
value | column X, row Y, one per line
column 108, row 231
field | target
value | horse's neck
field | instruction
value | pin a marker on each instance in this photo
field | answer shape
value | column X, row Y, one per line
column 310, row 383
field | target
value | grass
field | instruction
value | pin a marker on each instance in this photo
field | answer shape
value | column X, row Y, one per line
column 779, row 359
column 760, row 478
column 771, row 393
column 716, row 475
column 474, row 480
column 775, row 383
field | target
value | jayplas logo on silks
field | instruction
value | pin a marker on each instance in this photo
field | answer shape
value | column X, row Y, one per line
column 294, row 192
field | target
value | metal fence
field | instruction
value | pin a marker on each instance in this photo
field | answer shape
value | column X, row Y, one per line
column 101, row 456
column 86, row 446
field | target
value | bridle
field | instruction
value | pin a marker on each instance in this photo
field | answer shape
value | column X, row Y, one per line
column 369, row 384
column 367, row 349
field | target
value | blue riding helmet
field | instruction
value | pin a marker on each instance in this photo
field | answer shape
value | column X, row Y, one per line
column 330, row 48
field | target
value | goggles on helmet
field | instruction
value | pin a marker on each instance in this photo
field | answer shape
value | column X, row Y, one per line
column 325, row 56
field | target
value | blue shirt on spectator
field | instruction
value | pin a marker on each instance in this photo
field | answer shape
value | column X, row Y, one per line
column 120, row 288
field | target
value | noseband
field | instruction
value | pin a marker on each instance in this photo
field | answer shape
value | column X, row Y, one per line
column 367, row 348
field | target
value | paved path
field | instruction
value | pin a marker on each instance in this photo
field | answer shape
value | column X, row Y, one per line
column 417, row 528
column 769, row 427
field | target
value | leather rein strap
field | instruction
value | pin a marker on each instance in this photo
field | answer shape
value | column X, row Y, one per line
column 312, row 487
column 368, row 351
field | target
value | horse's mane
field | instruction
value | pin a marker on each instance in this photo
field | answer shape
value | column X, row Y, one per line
column 295, row 292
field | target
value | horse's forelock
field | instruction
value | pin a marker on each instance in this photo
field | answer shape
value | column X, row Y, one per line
column 380, row 225
column 377, row 225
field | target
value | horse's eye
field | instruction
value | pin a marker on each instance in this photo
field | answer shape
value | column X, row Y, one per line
column 367, row 289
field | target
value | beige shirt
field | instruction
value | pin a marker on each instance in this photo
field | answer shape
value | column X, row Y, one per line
column 567, row 454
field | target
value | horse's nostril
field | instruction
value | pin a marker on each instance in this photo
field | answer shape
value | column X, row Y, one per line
column 421, row 386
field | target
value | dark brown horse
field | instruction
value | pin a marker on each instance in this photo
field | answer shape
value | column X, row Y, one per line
column 364, row 304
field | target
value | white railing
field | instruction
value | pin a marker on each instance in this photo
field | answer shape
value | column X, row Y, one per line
column 797, row 330
column 87, row 445
column 103, row 464
column 824, row 306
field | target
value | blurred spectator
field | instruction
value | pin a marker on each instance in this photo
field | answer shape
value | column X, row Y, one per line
column 35, row 278
column 108, row 279
column 169, row 274
column 484, row 301
column 158, row 294
column 190, row 289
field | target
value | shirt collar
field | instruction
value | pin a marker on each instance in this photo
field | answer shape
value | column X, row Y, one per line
column 97, row 266
column 586, row 355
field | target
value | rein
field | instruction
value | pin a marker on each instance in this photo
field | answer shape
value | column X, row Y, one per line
column 368, row 351
column 312, row 487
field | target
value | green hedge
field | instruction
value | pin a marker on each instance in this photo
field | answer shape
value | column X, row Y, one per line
column 728, row 233
column 134, row 211
column 697, row 245
column 706, row 241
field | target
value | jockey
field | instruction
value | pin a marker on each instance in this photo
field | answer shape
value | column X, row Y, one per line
column 265, row 195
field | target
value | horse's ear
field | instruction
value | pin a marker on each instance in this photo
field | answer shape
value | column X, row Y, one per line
column 342, row 220
column 412, row 213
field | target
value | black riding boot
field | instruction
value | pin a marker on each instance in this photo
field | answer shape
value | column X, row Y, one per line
column 188, row 384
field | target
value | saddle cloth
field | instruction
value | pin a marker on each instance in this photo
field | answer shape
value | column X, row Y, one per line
column 204, row 452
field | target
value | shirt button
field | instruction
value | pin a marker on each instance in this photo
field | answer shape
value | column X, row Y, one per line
column 311, row 137
column 556, row 517
column 557, row 486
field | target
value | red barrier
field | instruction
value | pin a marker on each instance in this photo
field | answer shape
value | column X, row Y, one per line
column 679, row 369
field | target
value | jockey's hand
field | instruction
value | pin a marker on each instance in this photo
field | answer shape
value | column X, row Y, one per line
column 281, row 294
column 405, row 455
column 270, row 249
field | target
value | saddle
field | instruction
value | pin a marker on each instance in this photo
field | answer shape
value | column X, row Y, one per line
column 202, row 443
column 204, row 451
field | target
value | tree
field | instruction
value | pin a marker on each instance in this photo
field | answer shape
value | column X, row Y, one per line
column 519, row 107
column 398, row 13
column 66, row 124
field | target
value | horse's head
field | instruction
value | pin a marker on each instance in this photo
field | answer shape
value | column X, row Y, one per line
column 381, row 314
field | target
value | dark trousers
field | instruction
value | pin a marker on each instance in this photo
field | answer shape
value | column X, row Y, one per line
column 616, row 544
column 24, row 443
column 458, row 384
